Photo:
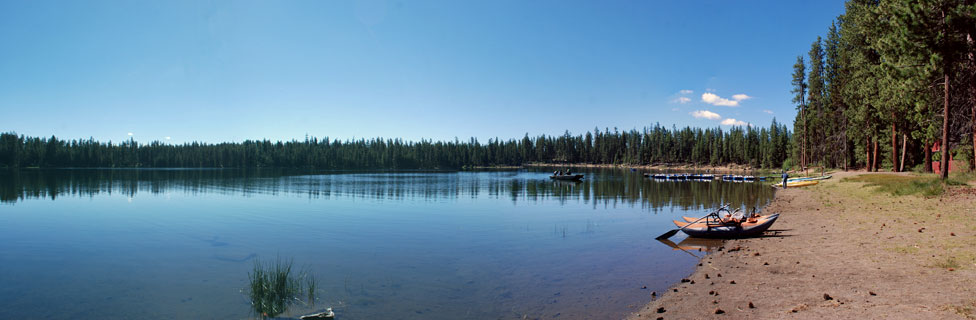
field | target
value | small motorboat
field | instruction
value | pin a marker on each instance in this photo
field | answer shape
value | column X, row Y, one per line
column 714, row 228
column 567, row 177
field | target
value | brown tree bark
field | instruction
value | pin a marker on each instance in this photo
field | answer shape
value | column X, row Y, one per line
column 803, row 149
column 874, row 158
column 972, row 87
column 944, row 164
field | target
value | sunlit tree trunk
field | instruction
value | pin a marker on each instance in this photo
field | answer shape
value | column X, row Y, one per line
column 894, row 144
column 904, row 145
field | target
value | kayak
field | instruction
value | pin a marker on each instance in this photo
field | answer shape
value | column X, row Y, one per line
column 793, row 184
column 567, row 177
column 808, row 178
column 712, row 229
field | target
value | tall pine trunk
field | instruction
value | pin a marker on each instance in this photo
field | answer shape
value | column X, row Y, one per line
column 972, row 89
column 803, row 148
column 874, row 158
column 944, row 164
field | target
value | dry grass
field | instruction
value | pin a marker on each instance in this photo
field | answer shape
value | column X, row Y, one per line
column 909, row 215
column 928, row 185
column 968, row 311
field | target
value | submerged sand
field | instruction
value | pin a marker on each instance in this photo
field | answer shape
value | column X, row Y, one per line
column 839, row 251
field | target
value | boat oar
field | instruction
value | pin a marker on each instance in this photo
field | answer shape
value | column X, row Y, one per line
column 673, row 232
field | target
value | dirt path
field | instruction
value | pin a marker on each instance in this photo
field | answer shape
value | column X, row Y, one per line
column 842, row 251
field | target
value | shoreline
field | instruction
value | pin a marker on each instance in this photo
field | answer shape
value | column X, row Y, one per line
column 839, row 251
column 678, row 168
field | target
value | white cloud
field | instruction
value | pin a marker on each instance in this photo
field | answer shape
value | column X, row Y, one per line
column 167, row 138
column 768, row 111
column 733, row 122
column 684, row 100
column 740, row 97
column 705, row 114
column 130, row 133
column 686, row 91
column 714, row 99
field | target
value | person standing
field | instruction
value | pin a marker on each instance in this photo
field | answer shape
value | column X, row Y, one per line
column 785, row 176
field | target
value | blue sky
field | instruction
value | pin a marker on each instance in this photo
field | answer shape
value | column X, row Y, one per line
column 215, row 71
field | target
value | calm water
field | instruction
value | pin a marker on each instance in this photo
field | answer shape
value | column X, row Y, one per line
column 178, row 244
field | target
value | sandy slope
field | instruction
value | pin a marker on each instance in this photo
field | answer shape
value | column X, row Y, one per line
column 842, row 252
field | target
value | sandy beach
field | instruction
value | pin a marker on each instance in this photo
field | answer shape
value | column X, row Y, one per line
column 840, row 250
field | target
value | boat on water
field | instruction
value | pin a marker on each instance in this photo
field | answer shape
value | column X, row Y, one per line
column 567, row 177
column 712, row 227
column 656, row 175
column 680, row 176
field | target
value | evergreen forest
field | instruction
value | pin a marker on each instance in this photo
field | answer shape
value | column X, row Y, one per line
column 891, row 81
column 756, row 147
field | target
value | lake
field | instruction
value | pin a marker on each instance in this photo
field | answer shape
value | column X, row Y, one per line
column 178, row 244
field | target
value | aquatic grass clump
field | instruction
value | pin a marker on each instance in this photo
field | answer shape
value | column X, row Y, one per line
column 274, row 286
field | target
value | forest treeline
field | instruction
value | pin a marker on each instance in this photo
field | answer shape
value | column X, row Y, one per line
column 892, row 79
column 766, row 147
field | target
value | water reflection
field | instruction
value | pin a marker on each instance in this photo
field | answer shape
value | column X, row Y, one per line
column 607, row 188
column 409, row 245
